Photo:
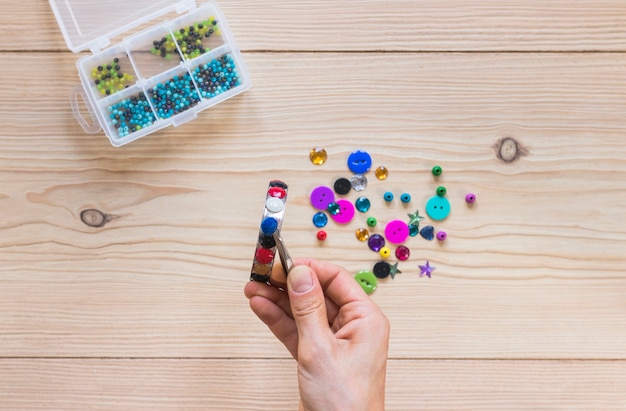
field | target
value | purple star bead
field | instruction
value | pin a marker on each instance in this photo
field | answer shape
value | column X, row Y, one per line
column 426, row 269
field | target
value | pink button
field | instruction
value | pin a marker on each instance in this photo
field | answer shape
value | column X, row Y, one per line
column 396, row 231
column 321, row 197
column 346, row 212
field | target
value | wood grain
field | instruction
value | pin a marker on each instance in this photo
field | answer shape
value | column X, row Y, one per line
column 521, row 103
column 166, row 384
column 393, row 25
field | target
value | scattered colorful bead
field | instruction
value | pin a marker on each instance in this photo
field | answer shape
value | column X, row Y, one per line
column 470, row 198
column 441, row 191
column 385, row 252
column 321, row 235
column 174, row 96
column 405, row 198
column 131, row 114
column 189, row 39
column 216, row 77
column 371, row 221
column 109, row 79
column 442, row 235
column 437, row 171
column 388, row 196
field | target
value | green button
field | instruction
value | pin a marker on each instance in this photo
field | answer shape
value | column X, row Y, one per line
column 367, row 280
column 438, row 208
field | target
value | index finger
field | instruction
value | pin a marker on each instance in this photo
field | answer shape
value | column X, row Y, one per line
column 339, row 286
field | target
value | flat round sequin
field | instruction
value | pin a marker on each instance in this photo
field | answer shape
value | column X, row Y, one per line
column 346, row 212
column 322, row 196
column 362, row 234
column 376, row 242
column 333, row 209
column 261, row 269
column 264, row 255
column 382, row 269
column 269, row 225
column 358, row 182
column 274, row 204
column 367, row 280
column 320, row 220
column 318, row 156
column 438, row 208
column 359, row 162
column 402, row 253
column 381, row 173
column 396, row 231
column 428, row 232
column 277, row 192
column 362, row 204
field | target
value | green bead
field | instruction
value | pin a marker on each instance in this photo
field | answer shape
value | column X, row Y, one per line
column 441, row 191
column 367, row 280
column 437, row 171
column 371, row 222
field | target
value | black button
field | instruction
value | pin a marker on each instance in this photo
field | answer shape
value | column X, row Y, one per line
column 382, row 269
column 342, row 186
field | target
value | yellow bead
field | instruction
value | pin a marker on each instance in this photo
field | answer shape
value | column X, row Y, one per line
column 385, row 252
column 381, row 173
column 362, row 234
column 318, row 156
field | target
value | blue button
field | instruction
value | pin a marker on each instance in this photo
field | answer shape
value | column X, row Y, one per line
column 359, row 162
column 438, row 208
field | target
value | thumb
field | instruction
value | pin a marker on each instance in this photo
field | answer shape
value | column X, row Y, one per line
column 308, row 305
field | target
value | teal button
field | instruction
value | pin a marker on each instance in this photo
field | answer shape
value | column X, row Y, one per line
column 367, row 280
column 438, row 208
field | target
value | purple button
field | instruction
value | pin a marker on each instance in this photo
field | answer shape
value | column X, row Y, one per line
column 396, row 231
column 321, row 197
column 346, row 212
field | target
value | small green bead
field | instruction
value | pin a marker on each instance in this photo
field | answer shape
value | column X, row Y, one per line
column 437, row 171
column 371, row 222
column 441, row 191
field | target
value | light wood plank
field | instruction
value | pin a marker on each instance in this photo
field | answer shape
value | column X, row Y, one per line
column 407, row 25
column 535, row 270
column 165, row 384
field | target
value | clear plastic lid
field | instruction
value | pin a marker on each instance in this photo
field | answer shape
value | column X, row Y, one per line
column 90, row 24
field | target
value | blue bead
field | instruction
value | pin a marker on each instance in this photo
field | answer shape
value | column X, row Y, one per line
column 320, row 219
column 405, row 198
column 388, row 196
column 269, row 225
column 362, row 204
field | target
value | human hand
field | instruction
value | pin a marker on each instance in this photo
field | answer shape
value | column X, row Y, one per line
column 336, row 333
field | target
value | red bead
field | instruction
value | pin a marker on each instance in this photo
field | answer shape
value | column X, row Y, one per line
column 277, row 192
column 264, row 255
column 321, row 235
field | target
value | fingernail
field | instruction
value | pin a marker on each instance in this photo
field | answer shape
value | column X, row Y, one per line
column 300, row 279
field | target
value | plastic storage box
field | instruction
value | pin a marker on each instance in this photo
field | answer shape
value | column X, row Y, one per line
column 163, row 75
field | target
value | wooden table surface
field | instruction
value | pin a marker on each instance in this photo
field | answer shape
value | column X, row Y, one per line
column 526, row 308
